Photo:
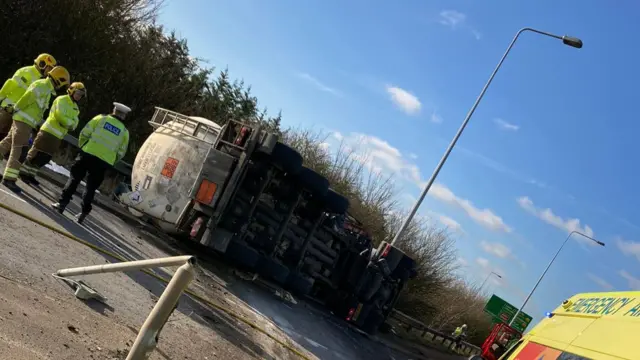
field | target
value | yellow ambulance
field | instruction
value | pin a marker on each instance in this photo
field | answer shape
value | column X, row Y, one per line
column 589, row 326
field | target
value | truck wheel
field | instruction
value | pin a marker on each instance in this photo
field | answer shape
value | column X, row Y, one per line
column 314, row 182
column 242, row 254
column 336, row 203
column 272, row 269
column 372, row 322
column 300, row 284
column 286, row 158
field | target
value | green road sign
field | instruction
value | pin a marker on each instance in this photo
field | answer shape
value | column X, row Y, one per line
column 502, row 311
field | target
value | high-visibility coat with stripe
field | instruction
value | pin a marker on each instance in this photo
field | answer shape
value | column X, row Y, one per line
column 35, row 101
column 63, row 117
column 105, row 137
column 17, row 85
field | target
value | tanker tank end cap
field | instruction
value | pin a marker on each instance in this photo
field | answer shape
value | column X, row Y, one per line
column 121, row 107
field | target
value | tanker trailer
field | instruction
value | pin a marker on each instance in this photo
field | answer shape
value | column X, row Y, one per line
column 190, row 162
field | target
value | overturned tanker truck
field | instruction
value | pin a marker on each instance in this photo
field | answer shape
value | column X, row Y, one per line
column 240, row 192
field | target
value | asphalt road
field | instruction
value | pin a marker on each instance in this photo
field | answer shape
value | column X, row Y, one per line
column 303, row 325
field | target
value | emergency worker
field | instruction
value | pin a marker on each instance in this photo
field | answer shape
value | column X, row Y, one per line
column 459, row 334
column 28, row 112
column 15, row 87
column 103, row 141
column 63, row 117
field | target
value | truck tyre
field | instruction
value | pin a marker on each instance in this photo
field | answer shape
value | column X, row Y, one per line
column 373, row 322
column 272, row 269
column 336, row 203
column 371, row 285
column 300, row 284
column 314, row 182
column 286, row 158
column 324, row 248
column 242, row 254
column 325, row 259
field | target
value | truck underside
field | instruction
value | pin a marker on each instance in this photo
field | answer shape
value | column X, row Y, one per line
column 255, row 202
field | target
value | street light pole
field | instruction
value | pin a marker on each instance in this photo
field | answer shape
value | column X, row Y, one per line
column 567, row 40
column 547, row 269
column 487, row 278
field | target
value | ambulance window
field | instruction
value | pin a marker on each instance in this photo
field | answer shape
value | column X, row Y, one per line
column 512, row 350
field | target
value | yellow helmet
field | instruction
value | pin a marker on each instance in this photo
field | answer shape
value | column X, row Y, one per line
column 77, row 87
column 44, row 62
column 60, row 77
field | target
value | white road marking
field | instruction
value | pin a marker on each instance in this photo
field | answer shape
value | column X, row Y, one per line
column 315, row 343
column 13, row 195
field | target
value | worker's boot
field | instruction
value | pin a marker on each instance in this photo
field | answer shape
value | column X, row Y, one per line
column 80, row 218
column 29, row 180
column 11, row 185
column 58, row 207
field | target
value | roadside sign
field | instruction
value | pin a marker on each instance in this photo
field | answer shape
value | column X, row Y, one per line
column 502, row 311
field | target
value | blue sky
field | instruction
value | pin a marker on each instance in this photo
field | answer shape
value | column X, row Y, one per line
column 550, row 149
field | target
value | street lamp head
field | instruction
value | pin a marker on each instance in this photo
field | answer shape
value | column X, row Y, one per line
column 572, row 41
column 499, row 276
column 600, row 243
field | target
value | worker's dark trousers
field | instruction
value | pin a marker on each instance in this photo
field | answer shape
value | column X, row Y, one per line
column 85, row 165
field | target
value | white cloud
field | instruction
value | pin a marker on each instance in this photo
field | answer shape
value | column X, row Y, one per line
column 435, row 118
column 634, row 282
column 380, row 156
column 463, row 262
column 484, row 217
column 600, row 281
column 450, row 223
column 318, row 84
column 629, row 248
column 496, row 249
column 452, row 18
column 324, row 146
column 547, row 215
column 484, row 263
column 413, row 156
column 405, row 100
column 337, row 135
column 504, row 125
column 455, row 19
column 376, row 153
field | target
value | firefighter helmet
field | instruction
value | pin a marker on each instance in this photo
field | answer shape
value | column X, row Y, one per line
column 60, row 77
column 45, row 62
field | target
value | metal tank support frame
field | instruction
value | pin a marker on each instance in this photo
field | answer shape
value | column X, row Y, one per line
column 147, row 339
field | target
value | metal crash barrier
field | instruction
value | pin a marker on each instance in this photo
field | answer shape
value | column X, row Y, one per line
column 433, row 336
column 147, row 339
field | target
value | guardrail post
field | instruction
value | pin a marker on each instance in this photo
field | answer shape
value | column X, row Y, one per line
column 147, row 338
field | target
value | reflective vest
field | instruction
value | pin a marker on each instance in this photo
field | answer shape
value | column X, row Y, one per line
column 35, row 101
column 16, row 86
column 106, row 138
column 63, row 117
column 458, row 331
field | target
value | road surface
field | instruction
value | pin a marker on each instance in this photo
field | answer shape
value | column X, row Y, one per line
column 105, row 331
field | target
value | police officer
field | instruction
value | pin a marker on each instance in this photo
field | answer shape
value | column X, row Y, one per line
column 28, row 113
column 63, row 117
column 15, row 87
column 103, row 141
